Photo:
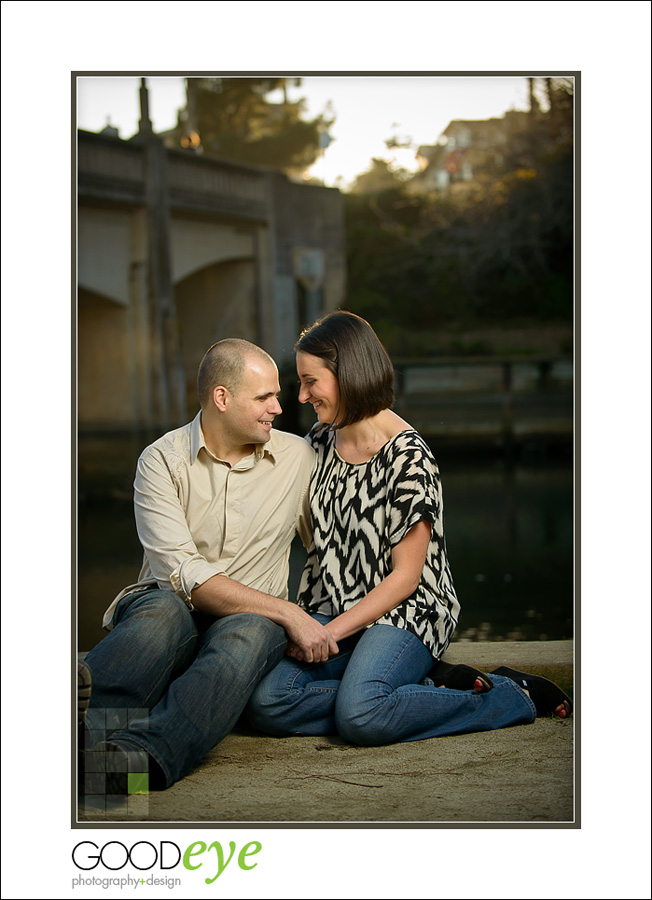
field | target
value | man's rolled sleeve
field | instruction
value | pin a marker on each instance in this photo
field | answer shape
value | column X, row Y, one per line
column 190, row 574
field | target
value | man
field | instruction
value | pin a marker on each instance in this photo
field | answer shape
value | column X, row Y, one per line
column 217, row 505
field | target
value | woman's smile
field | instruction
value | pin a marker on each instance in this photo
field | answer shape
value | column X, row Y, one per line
column 318, row 386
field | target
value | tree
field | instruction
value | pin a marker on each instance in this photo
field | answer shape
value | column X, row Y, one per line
column 378, row 177
column 233, row 119
column 496, row 248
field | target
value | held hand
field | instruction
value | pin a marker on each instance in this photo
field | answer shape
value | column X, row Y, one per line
column 293, row 652
column 309, row 641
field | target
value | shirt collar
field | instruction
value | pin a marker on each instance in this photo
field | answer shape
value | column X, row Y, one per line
column 196, row 438
column 267, row 449
column 197, row 441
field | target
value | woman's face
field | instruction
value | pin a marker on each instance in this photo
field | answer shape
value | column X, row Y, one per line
column 319, row 387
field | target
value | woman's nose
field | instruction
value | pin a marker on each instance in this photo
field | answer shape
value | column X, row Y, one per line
column 304, row 393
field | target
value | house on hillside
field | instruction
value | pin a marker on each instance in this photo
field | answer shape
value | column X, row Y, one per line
column 469, row 150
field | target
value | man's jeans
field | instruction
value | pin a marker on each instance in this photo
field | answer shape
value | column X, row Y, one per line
column 174, row 681
column 370, row 694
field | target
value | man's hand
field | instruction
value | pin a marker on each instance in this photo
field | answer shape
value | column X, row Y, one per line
column 309, row 641
column 221, row 596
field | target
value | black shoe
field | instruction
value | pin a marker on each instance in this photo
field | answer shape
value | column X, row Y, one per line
column 460, row 678
column 116, row 768
column 545, row 695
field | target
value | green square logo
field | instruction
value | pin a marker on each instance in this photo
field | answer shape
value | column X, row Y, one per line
column 138, row 783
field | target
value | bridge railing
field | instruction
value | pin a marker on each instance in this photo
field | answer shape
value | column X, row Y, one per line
column 197, row 183
column 500, row 399
column 115, row 170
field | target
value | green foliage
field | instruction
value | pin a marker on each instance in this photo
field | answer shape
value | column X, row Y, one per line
column 236, row 121
column 378, row 178
column 500, row 249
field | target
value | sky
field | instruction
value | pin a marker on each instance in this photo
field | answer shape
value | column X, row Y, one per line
column 368, row 110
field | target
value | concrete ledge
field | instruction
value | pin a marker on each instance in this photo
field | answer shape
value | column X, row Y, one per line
column 487, row 655
column 491, row 654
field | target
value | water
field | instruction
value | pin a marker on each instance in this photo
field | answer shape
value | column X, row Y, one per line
column 509, row 533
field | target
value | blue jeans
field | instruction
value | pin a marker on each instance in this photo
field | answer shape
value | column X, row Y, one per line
column 173, row 681
column 370, row 694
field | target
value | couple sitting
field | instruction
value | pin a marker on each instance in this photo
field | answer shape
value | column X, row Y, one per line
column 208, row 630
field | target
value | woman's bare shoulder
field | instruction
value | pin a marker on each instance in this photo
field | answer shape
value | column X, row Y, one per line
column 392, row 424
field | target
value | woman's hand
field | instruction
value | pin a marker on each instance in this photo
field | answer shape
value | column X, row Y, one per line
column 320, row 653
column 293, row 652
column 310, row 640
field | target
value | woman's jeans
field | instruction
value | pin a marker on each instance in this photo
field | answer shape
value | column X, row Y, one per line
column 173, row 681
column 370, row 694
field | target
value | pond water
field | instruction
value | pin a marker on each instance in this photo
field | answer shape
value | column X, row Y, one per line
column 509, row 533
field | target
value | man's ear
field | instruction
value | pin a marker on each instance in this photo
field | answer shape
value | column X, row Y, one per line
column 221, row 397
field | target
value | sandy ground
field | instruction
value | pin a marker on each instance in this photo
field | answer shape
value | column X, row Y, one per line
column 520, row 774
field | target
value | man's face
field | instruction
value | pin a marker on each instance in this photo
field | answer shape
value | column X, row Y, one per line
column 251, row 410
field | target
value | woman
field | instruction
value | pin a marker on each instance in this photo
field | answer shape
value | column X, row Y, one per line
column 379, row 559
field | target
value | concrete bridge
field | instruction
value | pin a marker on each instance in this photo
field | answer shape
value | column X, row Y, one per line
column 176, row 251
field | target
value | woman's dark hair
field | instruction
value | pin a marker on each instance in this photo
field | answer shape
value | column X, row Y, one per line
column 351, row 350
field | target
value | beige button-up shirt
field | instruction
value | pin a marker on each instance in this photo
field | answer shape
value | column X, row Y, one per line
column 197, row 516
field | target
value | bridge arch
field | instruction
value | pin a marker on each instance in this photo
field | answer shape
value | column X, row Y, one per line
column 216, row 302
column 104, row 364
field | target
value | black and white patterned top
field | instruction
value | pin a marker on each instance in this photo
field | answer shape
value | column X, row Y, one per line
column 360, row 512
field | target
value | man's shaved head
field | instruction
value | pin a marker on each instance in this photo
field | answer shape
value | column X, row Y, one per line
column 224, row 364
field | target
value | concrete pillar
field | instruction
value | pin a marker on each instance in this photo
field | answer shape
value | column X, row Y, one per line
column 262, row 284
column 138, row 322
column 167, row 372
